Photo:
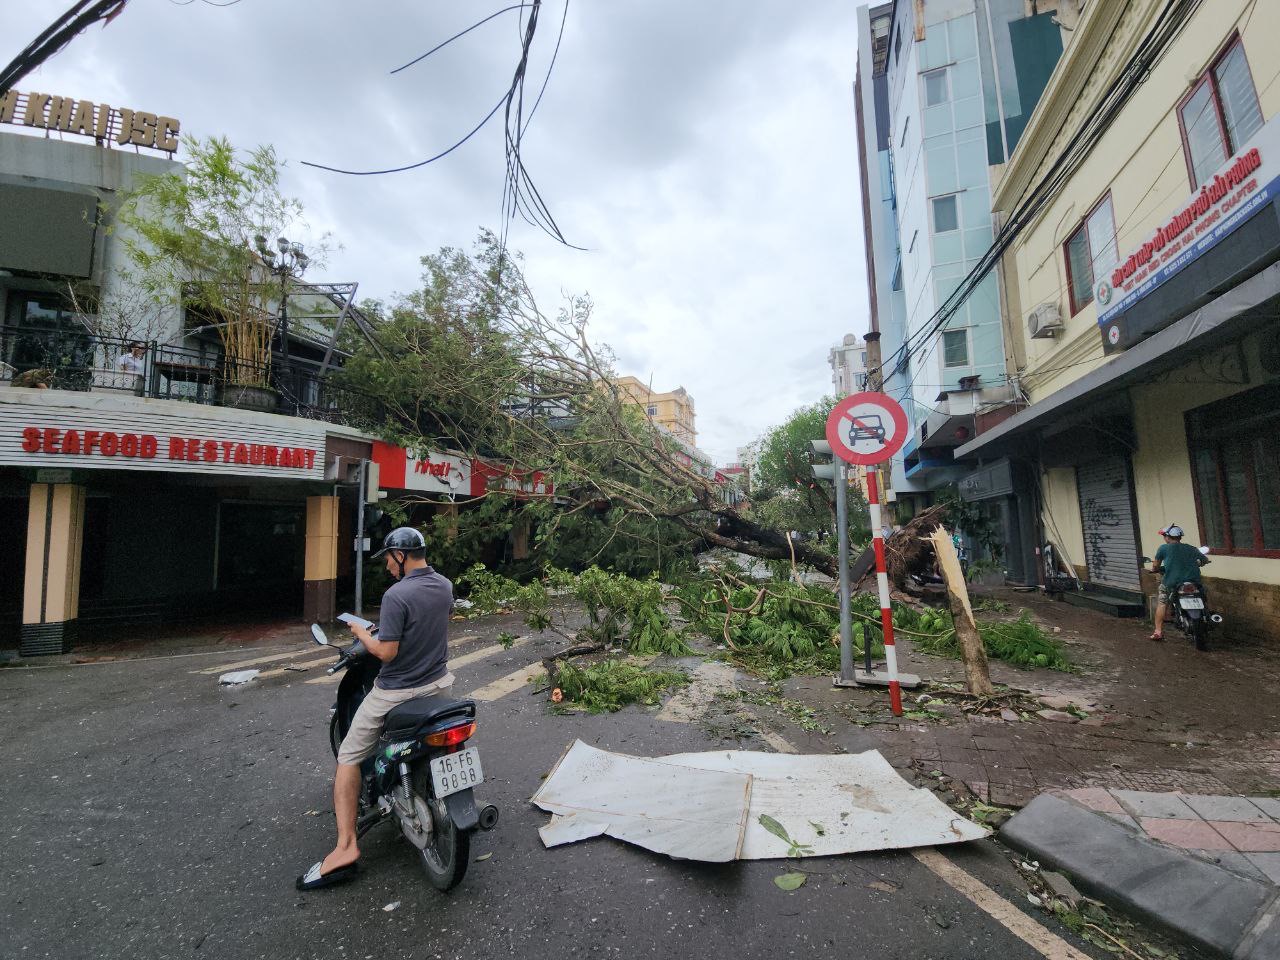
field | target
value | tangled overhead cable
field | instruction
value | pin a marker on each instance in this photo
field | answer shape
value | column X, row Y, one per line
column 519, row 195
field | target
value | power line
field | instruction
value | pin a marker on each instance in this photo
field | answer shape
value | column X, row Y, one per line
column 519, row 195
column 1149, row 52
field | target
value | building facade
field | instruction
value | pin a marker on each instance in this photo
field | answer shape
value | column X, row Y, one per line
column 848, row 362
column 673, row 411
column 147, row 485
column 943, row 93
column 1143, row 297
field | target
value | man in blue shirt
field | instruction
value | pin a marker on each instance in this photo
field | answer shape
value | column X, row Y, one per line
column 1179, row 563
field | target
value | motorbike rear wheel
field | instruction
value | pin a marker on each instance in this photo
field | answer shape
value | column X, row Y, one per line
column 1199, row 631
column 445, row 858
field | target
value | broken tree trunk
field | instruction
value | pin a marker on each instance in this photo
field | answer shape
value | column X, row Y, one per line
column 977, row 676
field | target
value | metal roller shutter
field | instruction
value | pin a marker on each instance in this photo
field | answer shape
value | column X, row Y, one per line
column 1106, row 514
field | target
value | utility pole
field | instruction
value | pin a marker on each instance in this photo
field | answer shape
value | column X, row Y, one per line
column 838, row 473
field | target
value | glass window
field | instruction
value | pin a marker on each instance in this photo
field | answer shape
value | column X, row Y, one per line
column 1266, row 471
column 1091, row 253
column 1221, row 114
column 955, row 348
column 935, row 88
column 945, row 215
column 652, row 410
column 1241, row 114
column 1207, row 484
column 1235, row 447
column 1235, row 477
column 1203, row 132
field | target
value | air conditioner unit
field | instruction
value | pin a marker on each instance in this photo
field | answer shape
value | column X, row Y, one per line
column 1045, row 322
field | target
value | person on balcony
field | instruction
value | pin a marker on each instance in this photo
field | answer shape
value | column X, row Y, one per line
column 135, row 360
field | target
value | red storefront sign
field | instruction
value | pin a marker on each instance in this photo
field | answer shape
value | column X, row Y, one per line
column 453, row 473
column 148, row 446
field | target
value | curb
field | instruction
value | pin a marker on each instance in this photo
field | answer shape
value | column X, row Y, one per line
column 1230, row 915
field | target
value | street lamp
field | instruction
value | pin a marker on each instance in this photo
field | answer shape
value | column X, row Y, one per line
column 291, row 263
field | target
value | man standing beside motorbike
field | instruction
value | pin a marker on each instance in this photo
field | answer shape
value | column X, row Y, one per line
column 1178, row 563
column 412, row 643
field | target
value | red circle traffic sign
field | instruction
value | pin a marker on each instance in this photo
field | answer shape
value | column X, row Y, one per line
column 867, row 428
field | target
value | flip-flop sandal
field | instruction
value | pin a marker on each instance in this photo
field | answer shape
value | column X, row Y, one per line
column 1156, row 636
column 313, row 879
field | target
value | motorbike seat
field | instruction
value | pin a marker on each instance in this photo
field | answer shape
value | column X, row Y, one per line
column 426, row 714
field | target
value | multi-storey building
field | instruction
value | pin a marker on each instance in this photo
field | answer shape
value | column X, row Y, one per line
column 848, row 362
column 943, row 92
column 673, row 410
column 1143, row 286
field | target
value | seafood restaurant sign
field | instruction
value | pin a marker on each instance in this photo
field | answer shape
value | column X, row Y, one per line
column 96, row 440
column 1240, row 187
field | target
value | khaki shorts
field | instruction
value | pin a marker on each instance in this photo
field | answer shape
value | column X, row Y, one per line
column 366, row 726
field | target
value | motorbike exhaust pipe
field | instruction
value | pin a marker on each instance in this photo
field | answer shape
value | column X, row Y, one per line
column 1215, row 618
column 488, row 817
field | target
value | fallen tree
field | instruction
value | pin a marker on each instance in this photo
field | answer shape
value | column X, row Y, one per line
column 469, row 362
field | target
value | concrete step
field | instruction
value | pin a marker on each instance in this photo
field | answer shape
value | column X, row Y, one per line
column 1115, row 603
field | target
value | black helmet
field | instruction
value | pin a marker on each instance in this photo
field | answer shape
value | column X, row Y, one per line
column 402, row 538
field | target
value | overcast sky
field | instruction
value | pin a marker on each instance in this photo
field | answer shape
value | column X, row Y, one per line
column 702, row 151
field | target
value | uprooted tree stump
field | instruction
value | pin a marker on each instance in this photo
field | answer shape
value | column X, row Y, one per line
column 977, row 674
column 909, row 550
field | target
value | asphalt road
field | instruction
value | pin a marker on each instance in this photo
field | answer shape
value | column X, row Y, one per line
column 152, row 813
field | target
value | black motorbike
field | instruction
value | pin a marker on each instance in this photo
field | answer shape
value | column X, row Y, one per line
column 422, row 774
column 1190, row 610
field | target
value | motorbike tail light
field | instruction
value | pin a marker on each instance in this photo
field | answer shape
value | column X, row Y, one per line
column 452, row 736
column 1188, row 588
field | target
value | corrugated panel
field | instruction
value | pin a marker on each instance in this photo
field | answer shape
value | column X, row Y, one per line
column 1106, row 514
column 145, row 439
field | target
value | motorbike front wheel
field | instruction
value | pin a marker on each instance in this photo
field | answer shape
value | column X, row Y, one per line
column 445, row 858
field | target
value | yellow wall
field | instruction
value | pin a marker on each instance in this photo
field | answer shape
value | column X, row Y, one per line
column 1162, row 464
column 673, row 410
column 1061, row 515
column 1140, row 159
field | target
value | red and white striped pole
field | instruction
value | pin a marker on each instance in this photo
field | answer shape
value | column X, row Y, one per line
column 882, row 581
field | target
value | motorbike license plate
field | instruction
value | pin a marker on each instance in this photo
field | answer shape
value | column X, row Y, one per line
column 1191, row 603
column 457, row 771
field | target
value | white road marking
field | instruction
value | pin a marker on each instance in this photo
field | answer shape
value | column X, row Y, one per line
column 455, row 663
column 776, row 741
column 508, row 684
column 298, row 652
column 297, row 667
column 1049, row 945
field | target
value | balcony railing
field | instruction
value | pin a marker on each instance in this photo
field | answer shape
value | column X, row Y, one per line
column 68, row 359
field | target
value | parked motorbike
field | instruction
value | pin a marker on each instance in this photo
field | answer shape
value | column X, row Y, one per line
column 423, row 773
column 1190, row 610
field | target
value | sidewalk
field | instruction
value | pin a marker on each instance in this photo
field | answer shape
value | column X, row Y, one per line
column 1204, row 867
column 1136, row 715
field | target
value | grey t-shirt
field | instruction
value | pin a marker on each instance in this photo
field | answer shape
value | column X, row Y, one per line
column 415, row 613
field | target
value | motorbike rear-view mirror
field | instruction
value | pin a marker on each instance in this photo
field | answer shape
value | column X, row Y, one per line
column 319, row 635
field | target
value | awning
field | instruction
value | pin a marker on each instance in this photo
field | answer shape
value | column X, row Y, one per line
column 1233, row 314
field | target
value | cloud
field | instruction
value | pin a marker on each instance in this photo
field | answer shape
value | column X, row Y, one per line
column 704, row 153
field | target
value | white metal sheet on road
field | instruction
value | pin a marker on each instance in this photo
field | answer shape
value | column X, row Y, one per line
column 680, row 811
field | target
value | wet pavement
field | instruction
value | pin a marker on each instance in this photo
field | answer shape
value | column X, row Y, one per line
column 154, row 813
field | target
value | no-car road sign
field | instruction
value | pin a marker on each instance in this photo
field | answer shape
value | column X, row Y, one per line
column 866, row 428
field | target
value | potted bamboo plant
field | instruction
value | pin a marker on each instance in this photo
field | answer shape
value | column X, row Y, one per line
column 190, row 239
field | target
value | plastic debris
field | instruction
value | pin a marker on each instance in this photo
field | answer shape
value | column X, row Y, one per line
column 236, row 677
column 391, row 906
